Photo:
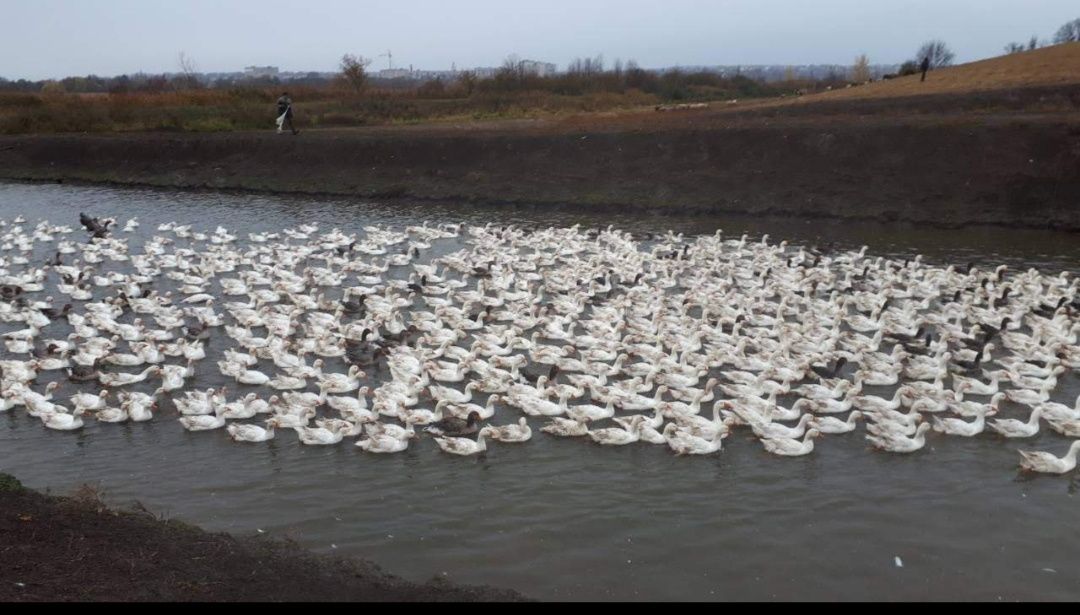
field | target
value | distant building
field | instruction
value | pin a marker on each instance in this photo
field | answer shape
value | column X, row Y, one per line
column 394, row 73
column 260, row 72
column 540, row 69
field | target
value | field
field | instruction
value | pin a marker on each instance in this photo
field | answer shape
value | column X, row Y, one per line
column 54, row 110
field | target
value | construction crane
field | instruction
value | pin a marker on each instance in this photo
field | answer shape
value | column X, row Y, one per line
column 389, row 59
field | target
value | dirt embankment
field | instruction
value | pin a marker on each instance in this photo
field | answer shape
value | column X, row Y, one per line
column 76, row 549
column 937, row 162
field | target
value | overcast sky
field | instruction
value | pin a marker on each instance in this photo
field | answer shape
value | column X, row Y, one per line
column 57, row 38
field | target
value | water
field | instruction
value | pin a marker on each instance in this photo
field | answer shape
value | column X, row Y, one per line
column 567, row 519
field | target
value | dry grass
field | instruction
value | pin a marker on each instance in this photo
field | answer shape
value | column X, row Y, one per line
column 248, row 109
column 1056, row 65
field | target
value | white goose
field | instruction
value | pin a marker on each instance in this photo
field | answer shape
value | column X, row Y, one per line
column 615, row 436
column 462, row 446
column 897, row 443
column 833, row 425
column 791, row 447
column 63, row 421
column 252, row 433
column 1047, row 462
column 510, row 433
column 383, row 444
column 1012, row 428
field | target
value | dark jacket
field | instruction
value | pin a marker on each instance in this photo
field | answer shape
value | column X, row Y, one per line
column 284, row 104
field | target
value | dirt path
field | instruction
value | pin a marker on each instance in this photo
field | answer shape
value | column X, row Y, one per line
column 76, row 549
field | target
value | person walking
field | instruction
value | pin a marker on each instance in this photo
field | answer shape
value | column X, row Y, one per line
column 285, row 114
column 925, row 66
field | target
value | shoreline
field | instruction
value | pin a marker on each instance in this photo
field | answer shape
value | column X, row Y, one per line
column 598, row 208
column 1003, row 169
column 75, row 548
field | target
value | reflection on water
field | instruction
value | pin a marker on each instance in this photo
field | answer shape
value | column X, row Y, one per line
column 566, row 519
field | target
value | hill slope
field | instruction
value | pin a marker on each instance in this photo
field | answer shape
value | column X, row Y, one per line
column 1050, row 66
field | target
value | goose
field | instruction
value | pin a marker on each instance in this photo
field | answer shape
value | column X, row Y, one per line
column 121, row 380
column 586, row 413
column 204, row 422
column 284, row 382
column 112, row 415
column 292, row 420
column 1028, row 397
column 899, row 423
column 1047, row 462
column 566, row 428
column 347, row 428
column 140, row 408
column 383, row 444
column 1012, row 428
column 1052, row 410
column 82, row 373
column 464, row 410
column 319, row 436
column 648, row 434
column 833, row 425
column 897, row 443
column 615, row 436
column 61, row 420
column 1038, row 383
column 960, row 427
column 462, row 446
column 510, row 433
column 441, row 393
column 353, row 408
column 825, row 406
column 689, row 444
column 173, row 376
column 703, row 427
column 252, row 433
column 89, row 401
column 639, row 402
column 7, row 400
column 241, row 408
column 340, row 383
column 791, row 447
column 777, row 430
column 455, row 426
column 977, row 387
column 626, row 421
column 533, row 406
column 199, row 403
column 390, row 429
column 872, row 403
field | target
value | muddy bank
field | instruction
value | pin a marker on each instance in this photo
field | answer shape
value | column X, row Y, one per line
column 947, row 169
column 76, row 549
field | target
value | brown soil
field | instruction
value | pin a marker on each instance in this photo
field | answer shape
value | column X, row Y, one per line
column 984, row 143
column 76, row 549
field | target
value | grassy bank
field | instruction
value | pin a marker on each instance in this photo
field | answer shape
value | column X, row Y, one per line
column 78, row 549
column 55, row 110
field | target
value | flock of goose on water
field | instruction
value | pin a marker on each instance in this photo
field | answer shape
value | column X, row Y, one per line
column 602, row 335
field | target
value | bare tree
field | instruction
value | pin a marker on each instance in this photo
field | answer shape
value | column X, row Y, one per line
column 354, row 71
column 189, row 72
column 467, row 79
column 939, row 53
column 860, row 71
column 1012, row 48
column 1068, row 33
